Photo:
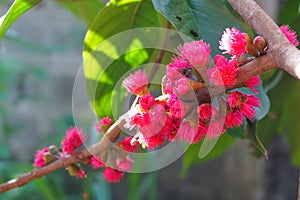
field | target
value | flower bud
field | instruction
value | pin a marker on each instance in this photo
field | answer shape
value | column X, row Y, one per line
column 163, row 85
column 250, row 48
column 72, row 169
column 260, row 44
column 48, row 158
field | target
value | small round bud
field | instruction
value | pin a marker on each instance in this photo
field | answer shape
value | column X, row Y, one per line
column 250, row 48
column 260, row 44
column 48, row 158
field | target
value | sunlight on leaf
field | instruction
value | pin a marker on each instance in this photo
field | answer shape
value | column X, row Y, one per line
column 104, row 59
column 18, row 8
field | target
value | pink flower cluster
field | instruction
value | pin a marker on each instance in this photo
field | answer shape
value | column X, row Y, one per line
column 168, row 118
column 171, row 116
column 137, row 83
column 74, row 139
column 123, row 164
column 104, row 124
column 40, row 159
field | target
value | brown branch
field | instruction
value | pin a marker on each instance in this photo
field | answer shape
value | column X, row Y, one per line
column 111, row 135
column 253, row 68
column 284, row 54
column 281, row 54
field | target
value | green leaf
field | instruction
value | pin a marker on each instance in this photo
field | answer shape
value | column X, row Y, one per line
column 191, row 157
column 269, row 125
column 290, row 125
column 18, row 8
column 83, row 9
column 289, row 14
column 142, row 186
column 254, row 139
column 105, row 53
column 207, row 18
column 284, row 116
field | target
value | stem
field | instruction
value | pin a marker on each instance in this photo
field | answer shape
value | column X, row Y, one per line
column 111, row 135
column 255, row 67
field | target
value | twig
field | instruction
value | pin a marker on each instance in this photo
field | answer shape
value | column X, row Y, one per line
column 111, row 135
column 255, row 67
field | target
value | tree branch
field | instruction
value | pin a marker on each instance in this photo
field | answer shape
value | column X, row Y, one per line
column 285, row 55
column 255, row 67
column 111, row 135
column 281, row 54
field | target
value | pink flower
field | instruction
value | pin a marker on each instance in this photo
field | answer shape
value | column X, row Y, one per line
column 206, row 112
column 168, row 127
column 215, row 129
column 126, row 145
column 187, row 132
column 202, row 130
column 173, row 74
column 247, row 110
column 175, row 106
column 158, row 118
column 224, row 73
column 195, row 52
column 233, row 42
column 104, row 124
column 178, row 63
column 85, row 195
column 155, row 141
column 74, row 139
column 40, row 160
column 81, row 173
column 253, row 100
column 124, row 165
column 137, row 83
column 112, row 175
column 140, row 119
column 146, row 101
column 234, row 99
column 290, row 34
column 234, row 119
column 244, row 103
column 247, row 107
column 253, row 82
column 96, row 162
column 182, row 86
